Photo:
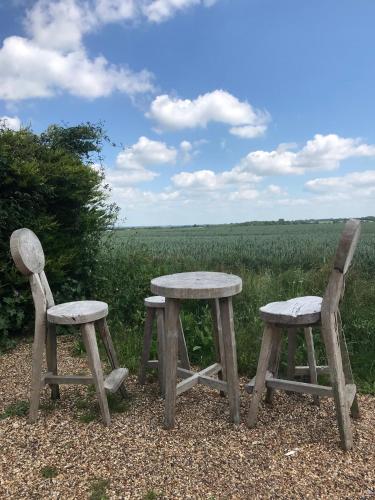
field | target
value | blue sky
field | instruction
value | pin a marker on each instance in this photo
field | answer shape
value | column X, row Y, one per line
column 227, row 110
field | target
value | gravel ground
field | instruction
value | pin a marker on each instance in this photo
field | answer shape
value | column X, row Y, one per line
column 293, row 453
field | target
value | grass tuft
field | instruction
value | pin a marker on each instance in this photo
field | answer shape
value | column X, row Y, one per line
column 49, row 472
column 17, row 409
column 98, row 489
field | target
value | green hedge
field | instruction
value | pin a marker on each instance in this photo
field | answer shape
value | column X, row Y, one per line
column 48, row 183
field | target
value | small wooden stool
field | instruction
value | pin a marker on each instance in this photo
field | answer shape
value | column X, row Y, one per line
column 308, row 312
column 155, row 306
column 28, row 256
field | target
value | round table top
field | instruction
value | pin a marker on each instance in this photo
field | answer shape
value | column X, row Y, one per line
column 197, row 285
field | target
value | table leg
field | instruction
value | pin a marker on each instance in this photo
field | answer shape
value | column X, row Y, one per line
column 218, row 340
column 172, row 310
column 226, row 313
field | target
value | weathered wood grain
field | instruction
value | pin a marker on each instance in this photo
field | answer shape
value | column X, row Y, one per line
column 155, row 301
column 77, row 313
column 311, row 359
column 229, row 342
column 269, row 335
column 49, row 378
column 347, row 245
column 194, row 378
column 147, row 338
column 197, row 285
column 170, row 360
column 293, row 312
column 115, row 379
column 89, row 339
column 27, row 251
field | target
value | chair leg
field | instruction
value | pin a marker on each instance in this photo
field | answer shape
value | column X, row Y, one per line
column 182, row 349
column 89, row 339
column 106, row 337
column 331, row 341
column 354, row 410
column 269, row 336
column 160, row 323
column 147, row 338
column 229, row 342
column 37, row 359
column 51, row 355
column 218, row 340
column 274, row 365
column 311, row 360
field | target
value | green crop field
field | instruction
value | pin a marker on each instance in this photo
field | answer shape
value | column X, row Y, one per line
column 275, row 261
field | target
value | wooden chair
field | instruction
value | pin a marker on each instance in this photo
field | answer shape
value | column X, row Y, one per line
column 28, row 256
column 155, row 306
column 307, row 312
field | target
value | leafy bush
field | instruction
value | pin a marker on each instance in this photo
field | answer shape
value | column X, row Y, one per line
column 49, row 184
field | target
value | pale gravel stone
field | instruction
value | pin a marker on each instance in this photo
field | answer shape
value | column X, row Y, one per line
column 203, row 456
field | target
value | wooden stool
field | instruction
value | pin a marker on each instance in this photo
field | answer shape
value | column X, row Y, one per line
column 218, row 289
column 155, row 306
column 28, row 256
column 307, row 312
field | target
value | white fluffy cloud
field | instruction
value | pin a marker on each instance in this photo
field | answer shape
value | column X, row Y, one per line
column 10, row 122
column 217, row 106
column 29, row 70
column 146, row 152
column 323, row 152
column 132, row 197
column 161, row 10
column 59, row 24
column 248, row 131
column 355, row 184
column 131, row 163
column 208, row 180
column 53, row 59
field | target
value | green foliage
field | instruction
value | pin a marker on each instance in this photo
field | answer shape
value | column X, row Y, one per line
column 151, row 495
column 98, row 489
column 49, row 472
column 17, row 409
column 47, row 184
column 88, row 408
column 275, row 262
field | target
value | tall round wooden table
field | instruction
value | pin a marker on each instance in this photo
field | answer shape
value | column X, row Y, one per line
column 218, row 289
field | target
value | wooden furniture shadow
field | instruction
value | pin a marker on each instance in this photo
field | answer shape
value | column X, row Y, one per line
column 28, row 257
column 307, row 312
column 155, row 307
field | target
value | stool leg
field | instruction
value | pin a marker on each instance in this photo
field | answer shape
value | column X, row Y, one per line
column 273, row 365
column 51, row 355
column 89, row 339
column 311, row 360
column 218, row 340
column 269, row 336
column 331, row 341
column 292, row 348
column 110, row 349
column 160, row 322
column 347, row 366
column 182, row 349
column 172, row 309
column 229, row 342
column 150, row 314
column 37, row 359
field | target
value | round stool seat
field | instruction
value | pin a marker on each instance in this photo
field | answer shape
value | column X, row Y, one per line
column 298, row 311
column 155, row 301
column 77, row 313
